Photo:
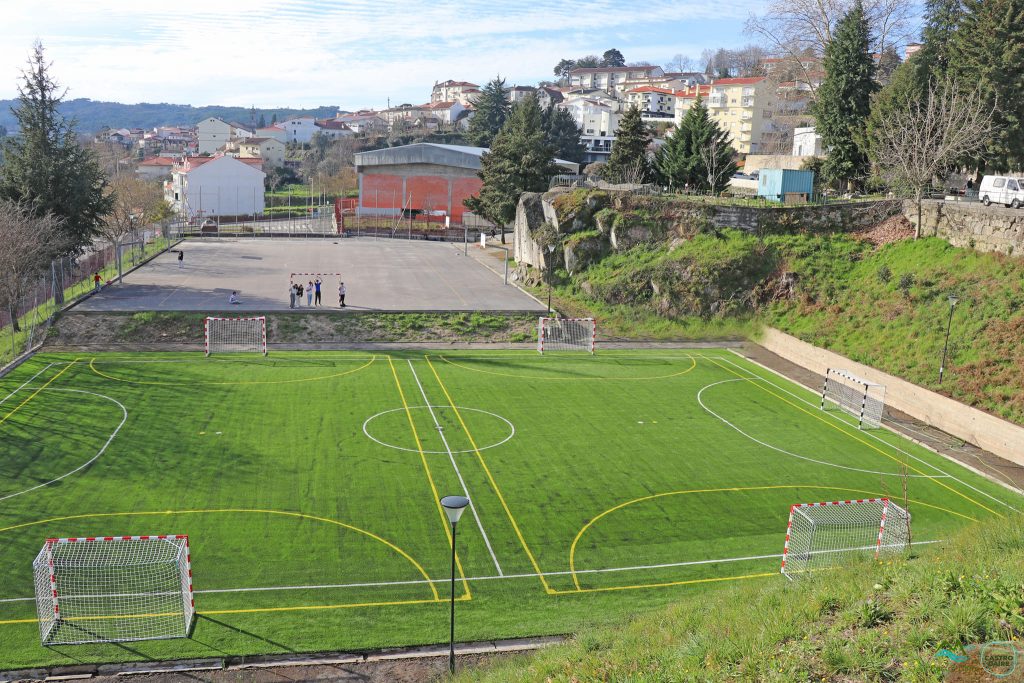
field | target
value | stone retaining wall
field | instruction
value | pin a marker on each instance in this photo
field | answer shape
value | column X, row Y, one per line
column 970, row 424
column 971, row 224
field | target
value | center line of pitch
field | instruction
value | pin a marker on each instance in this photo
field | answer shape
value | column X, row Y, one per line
column 451, row 457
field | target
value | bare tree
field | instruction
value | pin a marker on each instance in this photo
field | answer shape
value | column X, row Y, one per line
column 679, row 64
column 926, row 134
column 798, row 28
column 716, row 162
column 27, row 240
column 136, row 203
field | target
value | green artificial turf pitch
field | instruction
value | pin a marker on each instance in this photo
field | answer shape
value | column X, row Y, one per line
column 308, row 484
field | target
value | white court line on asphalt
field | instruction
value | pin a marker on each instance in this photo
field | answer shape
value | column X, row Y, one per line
column 945, row 474
column 4, row 400
column 505, row 577
column 451, row 457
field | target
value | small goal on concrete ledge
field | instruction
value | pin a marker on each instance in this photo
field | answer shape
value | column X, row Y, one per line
column 566, row 334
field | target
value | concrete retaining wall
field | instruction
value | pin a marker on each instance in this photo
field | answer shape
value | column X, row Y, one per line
column 971, row 224
column 970, row 424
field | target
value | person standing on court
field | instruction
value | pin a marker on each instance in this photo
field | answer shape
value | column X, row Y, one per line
column 291, row 296
column 341, row 295
column 309, row 293
column 317, row 285
column 181, row 259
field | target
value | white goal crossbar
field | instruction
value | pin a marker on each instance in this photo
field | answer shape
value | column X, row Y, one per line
column 236, row 335
column 113, row 589
column 819, row 535
column 566, row 334
column 303, row 278
column 862, row 398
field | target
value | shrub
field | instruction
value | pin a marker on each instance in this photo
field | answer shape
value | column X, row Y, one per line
column 884, row 274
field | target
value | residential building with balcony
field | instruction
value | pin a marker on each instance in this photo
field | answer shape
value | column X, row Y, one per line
column 599, row 121
column 614, row 79
column 454, row 91
column 741, row 107
column 269, row 150
column 653, row 103
column 215, row 186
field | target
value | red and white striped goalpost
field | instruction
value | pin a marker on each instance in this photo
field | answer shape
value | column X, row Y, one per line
column 821, row 534
column 235, row 335
column 105, row 589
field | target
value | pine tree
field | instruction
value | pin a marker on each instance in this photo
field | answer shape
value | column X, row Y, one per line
column 46, row 168
column 273, row 118
column 628, row 162
column 563, row 135
column 941, row 20
column 263, row 121
column 519, row 160
column 844, row 98
column 709, row 161
column 491, row 108
column 988, row 49
column 613, row 57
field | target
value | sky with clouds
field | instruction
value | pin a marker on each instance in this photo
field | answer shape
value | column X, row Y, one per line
column 350, row 53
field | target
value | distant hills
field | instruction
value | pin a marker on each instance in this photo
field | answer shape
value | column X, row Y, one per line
column 92, row 116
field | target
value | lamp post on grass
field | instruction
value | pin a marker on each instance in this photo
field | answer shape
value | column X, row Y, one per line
column 453, row 506
column 551, row 258
column 953, row 299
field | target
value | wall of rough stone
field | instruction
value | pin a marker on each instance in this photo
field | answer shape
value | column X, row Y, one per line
column 828, row 217
column 971, row 224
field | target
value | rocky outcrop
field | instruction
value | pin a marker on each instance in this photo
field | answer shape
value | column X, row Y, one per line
column 580, row 253
column 530, row 218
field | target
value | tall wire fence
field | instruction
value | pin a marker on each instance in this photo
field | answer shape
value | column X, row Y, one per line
column 70, row 279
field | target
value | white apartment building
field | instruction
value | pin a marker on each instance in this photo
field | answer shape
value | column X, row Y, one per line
column 454, row 91
column 653, row 103
column 212, row 134
column 806, row 143
column 742, row 107
column 273, row 131
column 518, row 93
column 299, row 129
column 334, row 129
column 216, row 186
column 599, row 120
column 614, row 78
column 270, row 150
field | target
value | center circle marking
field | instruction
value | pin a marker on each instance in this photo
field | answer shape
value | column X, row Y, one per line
column 366, row 430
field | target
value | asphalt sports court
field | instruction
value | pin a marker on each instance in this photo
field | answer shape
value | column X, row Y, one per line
column 308, row 484
column 380, row 275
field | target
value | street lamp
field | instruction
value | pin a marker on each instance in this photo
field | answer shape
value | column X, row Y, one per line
column 453, row 507
column 953, row 299
column 551, row 258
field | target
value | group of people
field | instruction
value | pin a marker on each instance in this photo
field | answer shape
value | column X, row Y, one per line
column 312, row 291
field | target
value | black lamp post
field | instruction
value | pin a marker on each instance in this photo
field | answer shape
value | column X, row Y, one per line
column 551, row 257
column 453, row 506
column 953, row 299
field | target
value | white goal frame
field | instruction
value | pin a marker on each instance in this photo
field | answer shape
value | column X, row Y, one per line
column 862, row 398
column 820, row 535
column 252, row 335
column 566, row 334
column 113, row 589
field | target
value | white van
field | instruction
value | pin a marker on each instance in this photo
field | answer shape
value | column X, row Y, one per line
column 1001, row 190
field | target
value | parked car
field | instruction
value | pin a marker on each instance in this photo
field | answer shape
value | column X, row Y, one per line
column 1001, row 190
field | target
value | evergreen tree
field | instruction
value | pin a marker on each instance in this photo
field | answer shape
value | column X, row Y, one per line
column 273, row 118
column 46, row 168
column 628, row 162
column 612, row 57
column 263, row 121
column 519, row 160
column 563, row 135
column 988, row 49
column 673, row 160
column 844, row 98
column 490, row 111
column 941, row 20
column 908, row 83
column 698, row 154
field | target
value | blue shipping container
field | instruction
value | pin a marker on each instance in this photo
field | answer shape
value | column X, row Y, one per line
column 776, row 183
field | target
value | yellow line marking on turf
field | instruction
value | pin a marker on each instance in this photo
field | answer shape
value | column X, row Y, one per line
column 92, row 366
column 490, row 477
column 423, row 458
column 36, row 392
column 855, row 437
column 283, row 513
column 666, row 584
column 693, row 364
column 730, row 489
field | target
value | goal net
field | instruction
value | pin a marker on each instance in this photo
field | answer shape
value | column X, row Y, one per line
column 236, row 334
column 113, row 589
column 820, row 535
column 566, row 334
column 859, row 397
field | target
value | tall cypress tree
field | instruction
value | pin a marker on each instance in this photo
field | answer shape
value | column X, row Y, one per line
column 941, row 20
column 844, row 98
column 520, row 160
column 491, row 108
column 628, row 161
column 564, row 136
column 988, row 49
column 46, row 168
column 698, row 153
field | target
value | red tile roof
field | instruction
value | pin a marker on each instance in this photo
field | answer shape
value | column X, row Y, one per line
column 157, row 161
column 739, row 81
column 651, row 88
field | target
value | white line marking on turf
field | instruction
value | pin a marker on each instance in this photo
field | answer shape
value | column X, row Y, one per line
column 790, row 453
column 505, row 577
column 366, row 423
column 25, row 383
column 451, row 457
column 869, row 434
column 94, row 458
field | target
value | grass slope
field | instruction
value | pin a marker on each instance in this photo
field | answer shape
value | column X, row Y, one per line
column 865, row 622
column 314, row 477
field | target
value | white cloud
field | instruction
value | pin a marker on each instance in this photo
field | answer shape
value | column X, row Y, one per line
column 351, row 52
